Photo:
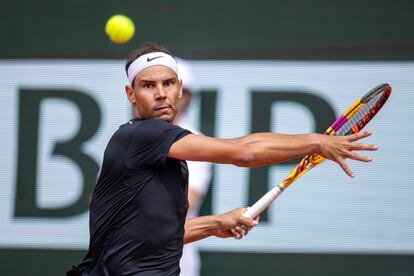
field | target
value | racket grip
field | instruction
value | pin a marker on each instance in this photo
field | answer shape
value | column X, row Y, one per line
column 264, row 202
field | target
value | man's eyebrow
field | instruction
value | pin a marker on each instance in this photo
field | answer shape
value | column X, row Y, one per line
column 146, row 81
column 170, row 79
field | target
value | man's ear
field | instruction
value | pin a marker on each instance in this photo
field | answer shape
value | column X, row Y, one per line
column 180, row 83
column 129, row 91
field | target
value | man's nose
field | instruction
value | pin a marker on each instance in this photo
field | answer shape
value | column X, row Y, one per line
column 160, row 93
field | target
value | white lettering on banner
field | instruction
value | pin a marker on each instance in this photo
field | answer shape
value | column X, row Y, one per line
column 325, row 211
column 59, row 120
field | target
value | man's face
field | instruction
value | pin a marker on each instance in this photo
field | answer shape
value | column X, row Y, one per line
column 155, row 94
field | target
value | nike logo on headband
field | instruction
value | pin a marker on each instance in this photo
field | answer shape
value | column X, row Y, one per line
column 151, row 59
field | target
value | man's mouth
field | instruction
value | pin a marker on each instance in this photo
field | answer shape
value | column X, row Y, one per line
column 162, row 107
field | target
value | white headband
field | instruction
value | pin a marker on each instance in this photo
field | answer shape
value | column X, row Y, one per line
column 148, row 60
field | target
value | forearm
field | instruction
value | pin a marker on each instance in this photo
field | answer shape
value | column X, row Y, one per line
column 200, row 228
column 258, row 149
column 269, row 148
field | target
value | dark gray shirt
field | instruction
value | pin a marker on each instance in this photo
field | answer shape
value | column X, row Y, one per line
column 139, row 204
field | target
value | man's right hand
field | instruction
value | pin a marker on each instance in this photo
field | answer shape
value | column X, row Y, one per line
column 235, row 224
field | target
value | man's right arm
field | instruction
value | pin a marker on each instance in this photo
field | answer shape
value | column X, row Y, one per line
column 223, row 226
column 260, row 149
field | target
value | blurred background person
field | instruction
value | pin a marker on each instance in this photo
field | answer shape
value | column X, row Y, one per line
column 200, row 173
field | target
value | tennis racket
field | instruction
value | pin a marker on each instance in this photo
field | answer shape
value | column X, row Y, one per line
column 355, row 118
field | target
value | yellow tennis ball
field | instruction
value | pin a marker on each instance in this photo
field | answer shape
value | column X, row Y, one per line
column 120, row 28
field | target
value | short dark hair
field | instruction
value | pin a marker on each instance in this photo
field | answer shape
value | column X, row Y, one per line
column 148, row 47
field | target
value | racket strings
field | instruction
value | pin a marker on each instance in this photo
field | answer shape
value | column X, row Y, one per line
column 359, row 115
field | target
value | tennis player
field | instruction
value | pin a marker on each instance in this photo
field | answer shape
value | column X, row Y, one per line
column 138, row 207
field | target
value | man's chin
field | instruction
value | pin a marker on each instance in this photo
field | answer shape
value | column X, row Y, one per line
column 166, row 117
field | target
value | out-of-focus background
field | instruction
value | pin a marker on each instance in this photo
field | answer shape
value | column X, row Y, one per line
column 284, row 66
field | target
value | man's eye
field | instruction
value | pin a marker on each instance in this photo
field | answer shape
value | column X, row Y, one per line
column 169, row 83
column 148, row 85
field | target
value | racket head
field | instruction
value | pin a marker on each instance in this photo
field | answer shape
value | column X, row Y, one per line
column 353, row 120
column 371, row 103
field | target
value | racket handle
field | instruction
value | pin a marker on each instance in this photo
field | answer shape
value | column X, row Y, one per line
column 264, row 202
